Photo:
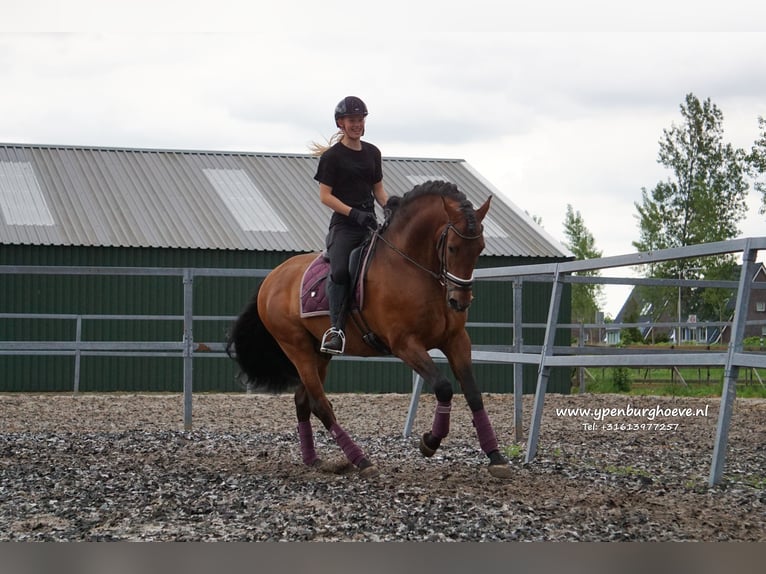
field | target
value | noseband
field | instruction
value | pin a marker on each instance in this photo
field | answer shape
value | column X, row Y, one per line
column 445, row 276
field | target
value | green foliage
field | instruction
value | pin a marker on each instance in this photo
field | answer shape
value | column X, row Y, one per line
column 757, row 163
column 659, row 381
column 621, row 379
column 718, row 303
column 704, row 200
column 628, row 470
column 661, row 338
column 580, row 241
column 512, row 451
column 631, row 335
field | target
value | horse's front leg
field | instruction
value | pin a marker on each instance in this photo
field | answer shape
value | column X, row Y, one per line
column 420, row 361
column 459, row 356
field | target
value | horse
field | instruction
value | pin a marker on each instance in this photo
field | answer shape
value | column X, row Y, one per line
column 417, row 290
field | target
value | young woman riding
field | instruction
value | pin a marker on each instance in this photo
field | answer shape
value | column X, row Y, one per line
column 350, row 177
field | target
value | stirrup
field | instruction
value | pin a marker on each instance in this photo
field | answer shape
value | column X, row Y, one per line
column 325, row 340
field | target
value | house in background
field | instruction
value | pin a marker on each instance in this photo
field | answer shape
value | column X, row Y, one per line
column 638, row 310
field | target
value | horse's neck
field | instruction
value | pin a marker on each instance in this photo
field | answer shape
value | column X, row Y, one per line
column 416, row 236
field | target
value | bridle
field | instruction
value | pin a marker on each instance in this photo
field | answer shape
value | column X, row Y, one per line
column 444, row 277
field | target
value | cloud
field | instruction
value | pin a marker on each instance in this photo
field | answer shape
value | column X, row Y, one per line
column 554, row 103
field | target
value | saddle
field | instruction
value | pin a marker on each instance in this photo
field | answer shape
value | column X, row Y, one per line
column 313, row 296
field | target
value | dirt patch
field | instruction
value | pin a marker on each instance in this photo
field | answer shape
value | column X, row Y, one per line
column 121, row 467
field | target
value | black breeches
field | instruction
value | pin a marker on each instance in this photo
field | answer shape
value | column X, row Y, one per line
column 341, row 241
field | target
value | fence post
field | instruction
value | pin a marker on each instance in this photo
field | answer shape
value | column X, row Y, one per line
column 731, row 371
column 77, row 355
column 518, row 368
column 581, row 370
column 417, row 387
column 544, row 370
column 188, row 345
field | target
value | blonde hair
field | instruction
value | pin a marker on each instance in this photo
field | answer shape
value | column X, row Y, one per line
column 318, row 148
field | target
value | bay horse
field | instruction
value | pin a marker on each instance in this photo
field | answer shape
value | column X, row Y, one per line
column 418, row 287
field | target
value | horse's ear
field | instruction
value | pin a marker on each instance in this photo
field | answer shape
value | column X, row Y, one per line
column 482, row 211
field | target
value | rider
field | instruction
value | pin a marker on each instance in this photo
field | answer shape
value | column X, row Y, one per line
column 350, row 177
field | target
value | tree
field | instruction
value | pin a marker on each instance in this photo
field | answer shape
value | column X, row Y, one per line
column 718, row 304
column 585, row 297
column 706, row 199
column 757, row 163
column 703, row 201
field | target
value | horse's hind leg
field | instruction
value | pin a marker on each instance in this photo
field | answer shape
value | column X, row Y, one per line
column 306, row 436
column 305, row 432
column 312, row 399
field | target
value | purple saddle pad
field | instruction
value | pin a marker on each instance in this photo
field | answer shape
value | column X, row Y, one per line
column 313, row 295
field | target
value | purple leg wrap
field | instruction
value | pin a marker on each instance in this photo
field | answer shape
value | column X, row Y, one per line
column 349, row 447
column 440, row 426
column 307, row 442
column 487, row 438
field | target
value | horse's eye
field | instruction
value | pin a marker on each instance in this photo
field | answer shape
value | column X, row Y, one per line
column 452, row 249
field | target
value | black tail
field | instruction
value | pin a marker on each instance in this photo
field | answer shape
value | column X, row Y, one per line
column 260, row 357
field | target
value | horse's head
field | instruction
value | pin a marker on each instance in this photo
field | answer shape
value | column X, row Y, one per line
column 460, row 243
column 438, row 230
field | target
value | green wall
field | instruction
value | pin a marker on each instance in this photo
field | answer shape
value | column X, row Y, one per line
column 212, row 296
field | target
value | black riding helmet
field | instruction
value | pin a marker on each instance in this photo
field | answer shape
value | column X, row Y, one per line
column 349, row 106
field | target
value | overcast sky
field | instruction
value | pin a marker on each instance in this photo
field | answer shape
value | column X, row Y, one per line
column 560, row 103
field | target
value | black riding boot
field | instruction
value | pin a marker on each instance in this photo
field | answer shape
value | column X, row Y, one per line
column 334, row 340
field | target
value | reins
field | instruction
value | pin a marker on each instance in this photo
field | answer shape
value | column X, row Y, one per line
column 398, row 251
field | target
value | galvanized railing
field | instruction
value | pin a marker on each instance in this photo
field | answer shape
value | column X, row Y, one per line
column 79, row 348
column 550, row 356
column 545, row 356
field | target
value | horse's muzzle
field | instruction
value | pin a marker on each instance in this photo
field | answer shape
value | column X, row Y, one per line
column 456, row 305
column 459, row 299
column 459, row 292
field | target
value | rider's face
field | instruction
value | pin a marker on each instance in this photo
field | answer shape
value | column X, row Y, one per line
column 352, row 126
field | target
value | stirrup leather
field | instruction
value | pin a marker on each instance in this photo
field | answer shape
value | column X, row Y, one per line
column 326, row 336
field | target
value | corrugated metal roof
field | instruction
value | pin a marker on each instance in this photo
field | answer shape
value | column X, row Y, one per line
column 113, row 197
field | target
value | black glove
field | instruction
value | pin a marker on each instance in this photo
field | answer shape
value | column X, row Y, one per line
column 363, row 218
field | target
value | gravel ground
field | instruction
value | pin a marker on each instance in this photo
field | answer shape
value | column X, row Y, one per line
column 121, row 467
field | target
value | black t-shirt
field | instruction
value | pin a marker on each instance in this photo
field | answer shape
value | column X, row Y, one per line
column 351, row 174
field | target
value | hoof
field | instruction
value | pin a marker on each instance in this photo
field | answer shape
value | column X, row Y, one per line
column 369, row 472
column 342, row 466
column 426, row 450
column 500, row 471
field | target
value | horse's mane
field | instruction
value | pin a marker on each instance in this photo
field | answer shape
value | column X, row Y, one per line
column 442, row 189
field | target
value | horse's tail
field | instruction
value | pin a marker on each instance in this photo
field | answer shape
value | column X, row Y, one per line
column 258, row 354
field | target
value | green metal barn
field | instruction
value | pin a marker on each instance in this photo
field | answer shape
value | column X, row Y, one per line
column 148, row 208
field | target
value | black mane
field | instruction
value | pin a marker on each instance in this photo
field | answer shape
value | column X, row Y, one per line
column 443, row 189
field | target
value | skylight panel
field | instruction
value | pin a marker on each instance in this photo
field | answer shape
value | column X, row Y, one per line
column 244, row 200
column 21, row 199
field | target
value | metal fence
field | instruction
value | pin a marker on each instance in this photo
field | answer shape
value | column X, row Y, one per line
column 545, row 356
column 549, row 356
